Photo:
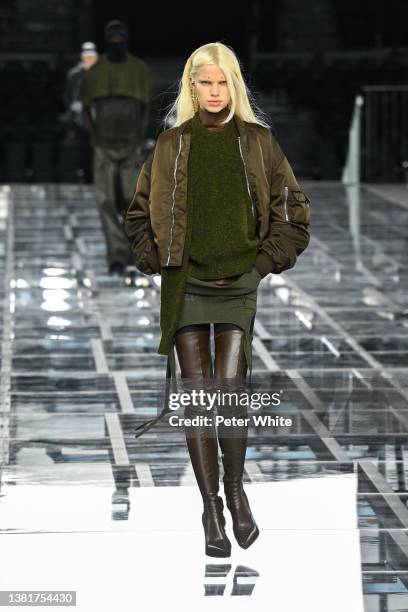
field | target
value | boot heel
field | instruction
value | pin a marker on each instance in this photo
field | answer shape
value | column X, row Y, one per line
column 217, row 543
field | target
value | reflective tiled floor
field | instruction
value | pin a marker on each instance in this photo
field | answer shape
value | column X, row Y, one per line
column 80, row 371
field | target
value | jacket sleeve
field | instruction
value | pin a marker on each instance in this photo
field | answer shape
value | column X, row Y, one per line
column 288, row 234
column 137, row 224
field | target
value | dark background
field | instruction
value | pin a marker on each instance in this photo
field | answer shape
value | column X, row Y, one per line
column 304, row 61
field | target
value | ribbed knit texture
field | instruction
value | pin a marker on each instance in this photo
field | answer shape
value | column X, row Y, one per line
column 222, row 240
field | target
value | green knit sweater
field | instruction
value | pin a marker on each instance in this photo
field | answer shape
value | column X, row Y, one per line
column 222, row 239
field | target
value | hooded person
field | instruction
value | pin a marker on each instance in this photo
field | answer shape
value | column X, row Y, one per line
column 116, row 37
column 115, row 94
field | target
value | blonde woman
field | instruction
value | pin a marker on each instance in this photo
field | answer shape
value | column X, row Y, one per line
column 216, row 208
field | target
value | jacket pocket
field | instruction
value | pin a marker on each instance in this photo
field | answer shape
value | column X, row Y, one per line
column 147, row 262
column 296, row 206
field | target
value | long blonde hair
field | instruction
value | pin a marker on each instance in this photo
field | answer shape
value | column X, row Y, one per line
column 241, row 103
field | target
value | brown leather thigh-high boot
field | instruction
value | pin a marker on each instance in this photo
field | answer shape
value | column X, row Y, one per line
column 230, row 370
column 194, row 355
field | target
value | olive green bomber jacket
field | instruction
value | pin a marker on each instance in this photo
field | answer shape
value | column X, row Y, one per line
column 156, row 220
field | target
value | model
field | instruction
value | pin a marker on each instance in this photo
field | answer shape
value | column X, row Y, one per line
column 115, row 94
column 216, row 208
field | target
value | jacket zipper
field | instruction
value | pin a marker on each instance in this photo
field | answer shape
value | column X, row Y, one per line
column 172, row 208
column 246, row 177
column 285, row 203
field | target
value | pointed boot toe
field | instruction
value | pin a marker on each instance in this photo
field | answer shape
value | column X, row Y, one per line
column 244, row 526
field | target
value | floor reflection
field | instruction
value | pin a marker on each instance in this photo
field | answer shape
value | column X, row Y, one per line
column 80, row 371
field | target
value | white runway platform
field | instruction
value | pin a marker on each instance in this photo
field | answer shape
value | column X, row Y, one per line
column 66, row 540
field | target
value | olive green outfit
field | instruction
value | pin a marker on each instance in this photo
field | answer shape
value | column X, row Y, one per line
column 221, row 241
column 117, row 94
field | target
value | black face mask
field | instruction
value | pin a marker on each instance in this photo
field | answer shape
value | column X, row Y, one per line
column 116, row 51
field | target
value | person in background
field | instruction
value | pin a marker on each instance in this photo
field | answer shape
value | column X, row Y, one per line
column 73, row 117
column 115, row 93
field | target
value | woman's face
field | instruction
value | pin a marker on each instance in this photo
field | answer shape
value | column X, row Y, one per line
column 211, row 88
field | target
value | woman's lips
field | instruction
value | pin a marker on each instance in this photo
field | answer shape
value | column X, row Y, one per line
column 215, row 103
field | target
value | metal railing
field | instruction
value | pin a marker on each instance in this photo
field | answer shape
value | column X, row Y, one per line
column 378, row 136
column 385, row 132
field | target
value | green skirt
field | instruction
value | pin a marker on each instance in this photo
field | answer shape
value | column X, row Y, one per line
column 205, row 302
